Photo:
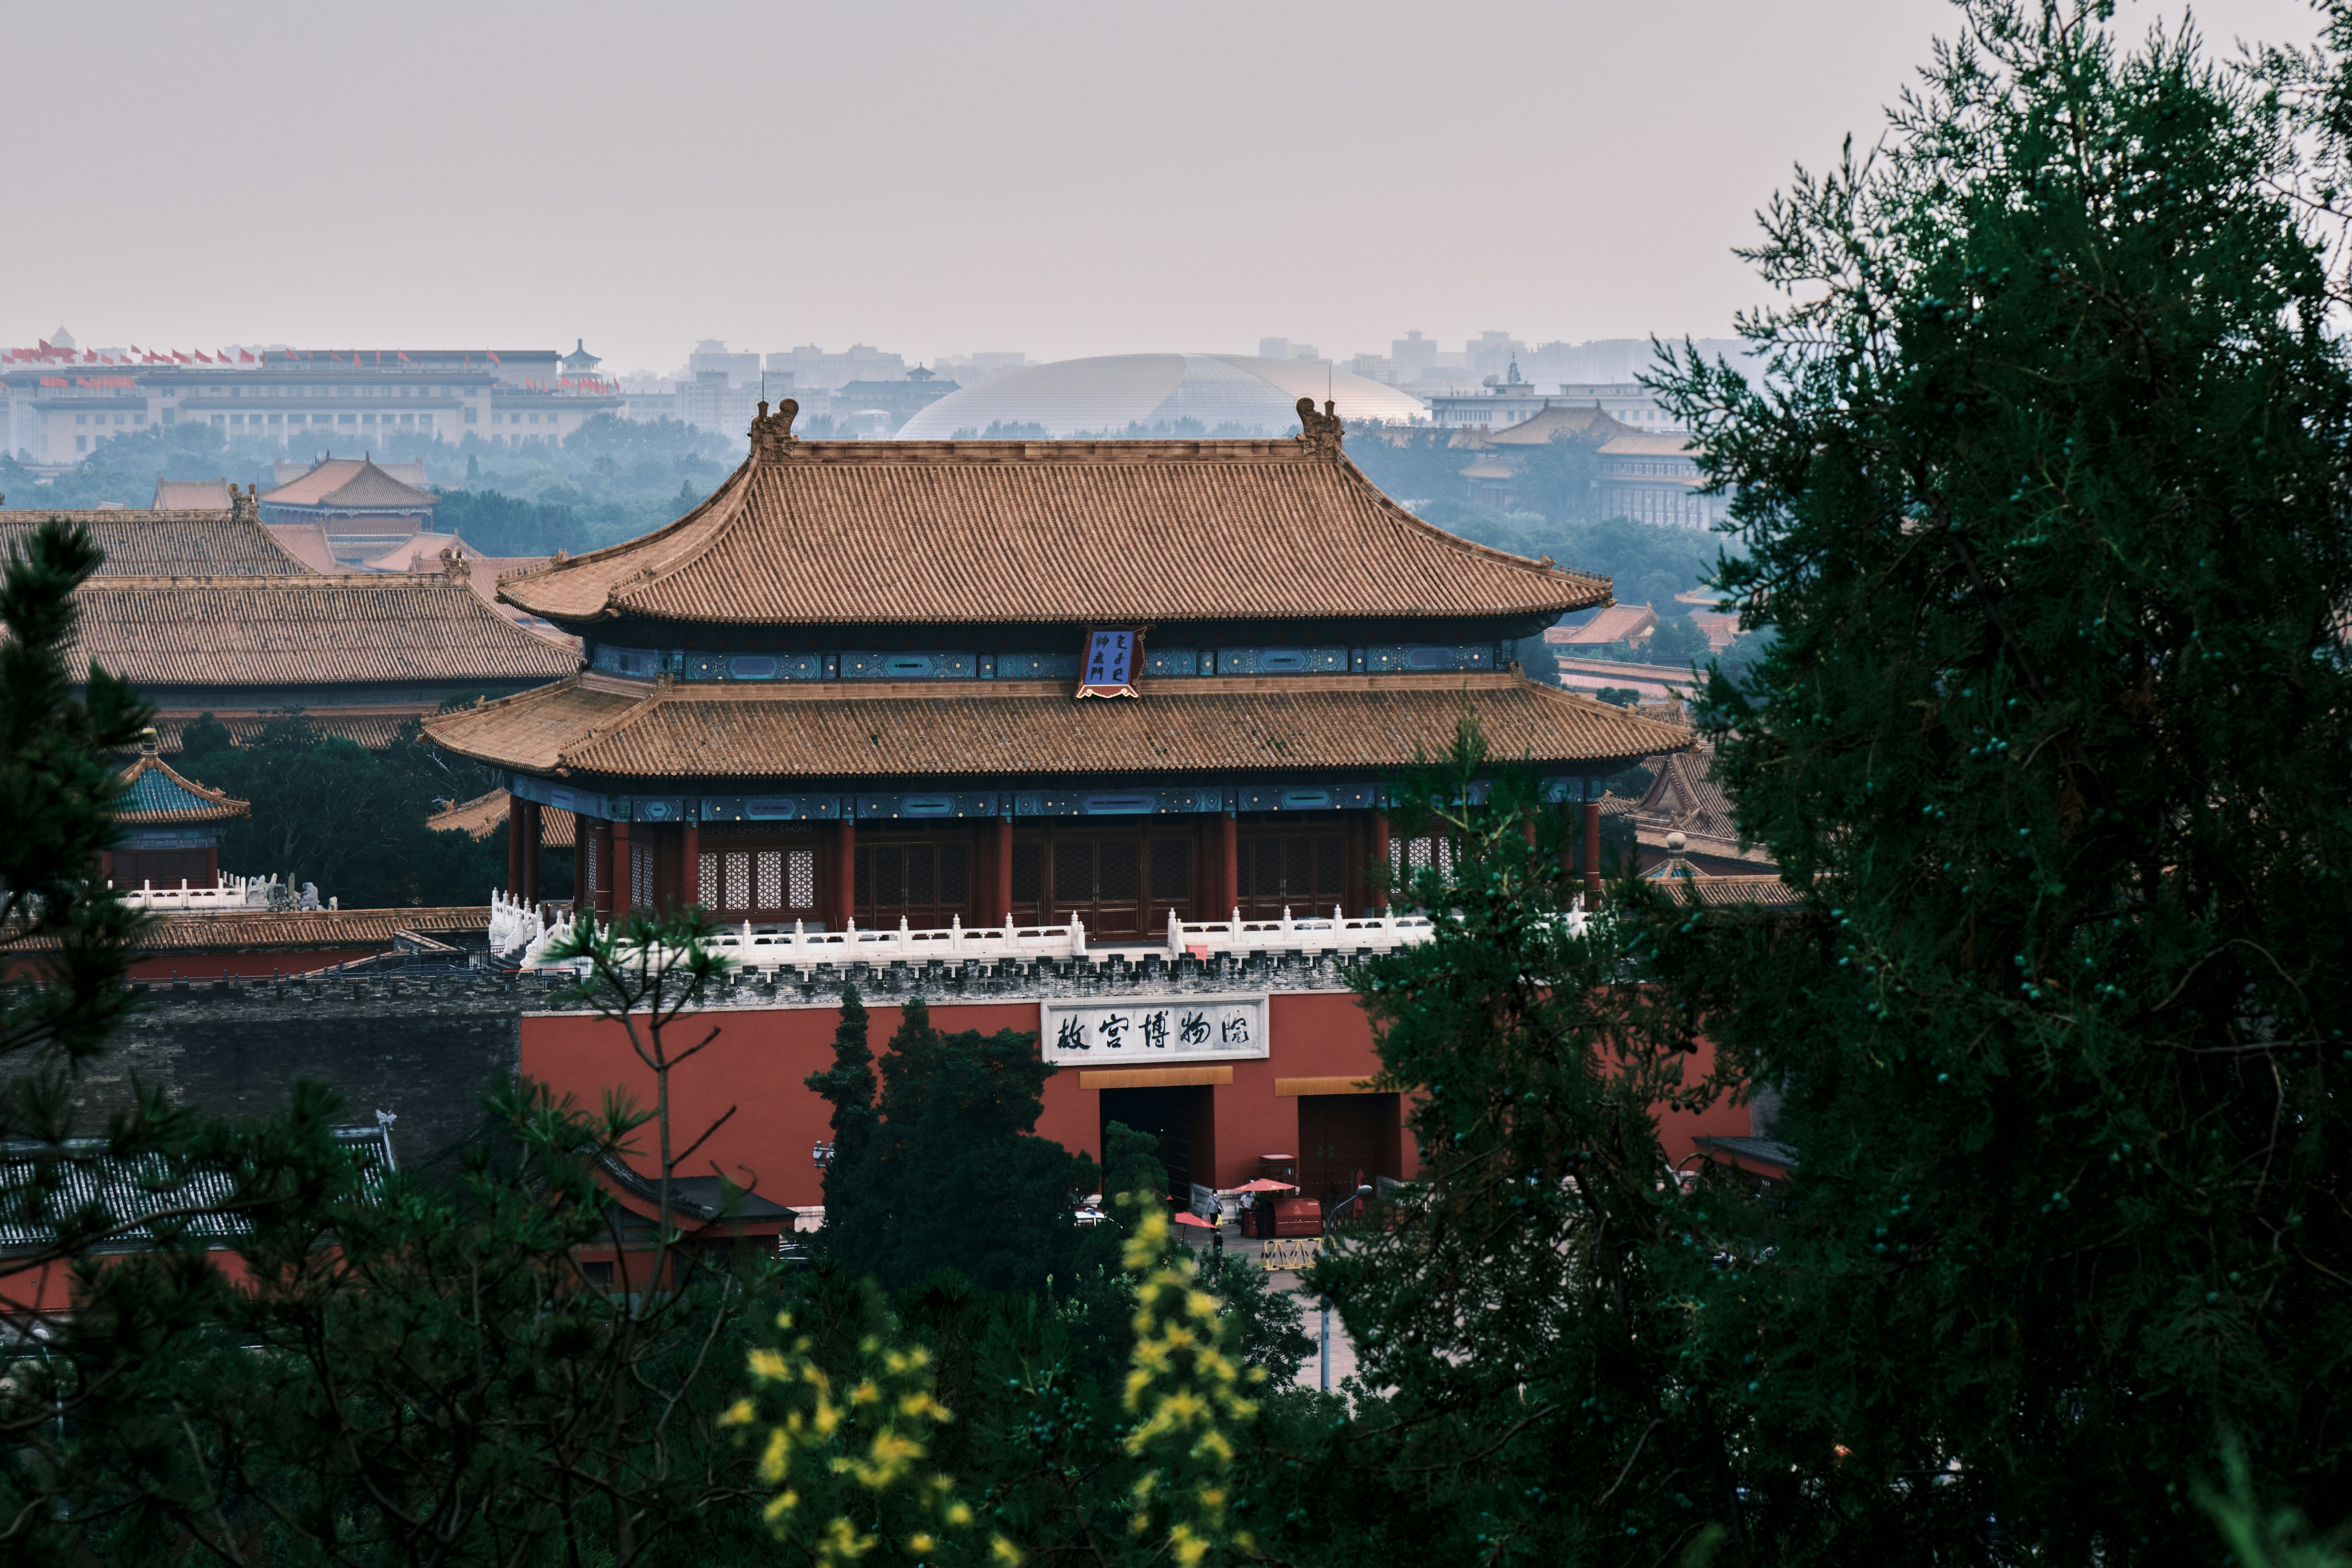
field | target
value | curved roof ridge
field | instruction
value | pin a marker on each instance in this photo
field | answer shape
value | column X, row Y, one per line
column 214, row 804
column 1471, row 546
column 559, row 564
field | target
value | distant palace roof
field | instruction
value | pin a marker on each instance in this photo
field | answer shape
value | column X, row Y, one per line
column 1559, row 420
column 481, row 816
column 306, row 630
column 635, row 729
column 1045, row 532
column 158, row 797
column 350, row 484
column 193, row 495
column 230, row 543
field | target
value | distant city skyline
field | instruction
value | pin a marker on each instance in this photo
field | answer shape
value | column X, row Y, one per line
column 1047, row 178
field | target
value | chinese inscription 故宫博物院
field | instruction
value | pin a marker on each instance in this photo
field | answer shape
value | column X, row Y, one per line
column 1148, row 1030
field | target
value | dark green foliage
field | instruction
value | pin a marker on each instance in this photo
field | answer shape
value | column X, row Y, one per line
column 2045, row 505
column 1131, row 1165
column 1526, row 1304
column 328, row 810
column 1266, row 1320
column 58, row 789
column 953, row 1176
column 850, row 1087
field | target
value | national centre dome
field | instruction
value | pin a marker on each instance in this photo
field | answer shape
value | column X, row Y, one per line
column 1155, row 396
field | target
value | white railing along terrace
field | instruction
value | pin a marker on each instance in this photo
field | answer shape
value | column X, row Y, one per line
column 752, row 946
column 226, row 894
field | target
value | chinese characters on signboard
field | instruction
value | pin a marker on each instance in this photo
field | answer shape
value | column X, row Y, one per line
column 1108, row 667
column 1141, row 1031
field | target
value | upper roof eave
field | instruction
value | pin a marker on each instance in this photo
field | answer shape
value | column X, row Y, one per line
column 982, row 532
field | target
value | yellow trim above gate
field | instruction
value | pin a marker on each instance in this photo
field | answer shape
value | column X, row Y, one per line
column 1325, row 1086
column 1153, row 1078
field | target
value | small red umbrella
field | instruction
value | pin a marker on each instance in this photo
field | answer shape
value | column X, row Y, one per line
column 1189, row 1217
column 1263, row 1185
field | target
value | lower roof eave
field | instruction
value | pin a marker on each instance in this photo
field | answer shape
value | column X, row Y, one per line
column 665, row 735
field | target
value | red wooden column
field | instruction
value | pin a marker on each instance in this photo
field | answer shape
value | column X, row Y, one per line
column 845, row 870
column 692, row 887
column 623, row 870
column 1003, row 910
column 1380, row 855
column 1229, row 855
column 516, row 808
column 595, row 890
column 533, row 833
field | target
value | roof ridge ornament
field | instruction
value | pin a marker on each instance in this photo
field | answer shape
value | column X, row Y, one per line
column 1322, row 432
column 247, row 507
column 771, row 434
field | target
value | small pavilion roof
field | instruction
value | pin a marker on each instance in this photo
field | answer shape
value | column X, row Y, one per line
column 1045, row 532
column 1360, row 724
column 351, row 483
column 157, row 796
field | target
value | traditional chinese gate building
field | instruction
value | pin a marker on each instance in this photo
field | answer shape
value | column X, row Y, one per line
column 858, row 685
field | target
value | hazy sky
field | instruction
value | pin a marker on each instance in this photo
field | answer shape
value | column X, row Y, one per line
column 1059, row 178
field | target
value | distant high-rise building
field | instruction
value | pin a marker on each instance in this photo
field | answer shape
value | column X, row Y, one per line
column 1491, row 353
column 1273, row 348
column 814, row 370
column 710, row 354
column 1375, row 367
column 1413, row 355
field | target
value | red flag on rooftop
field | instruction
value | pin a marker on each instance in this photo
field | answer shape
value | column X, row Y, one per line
column 403, row 358
column 45, row 345
column 244, row 358
column 379, row 355
column 494, row 358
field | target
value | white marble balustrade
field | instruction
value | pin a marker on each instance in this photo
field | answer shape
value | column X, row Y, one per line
column 754, row 946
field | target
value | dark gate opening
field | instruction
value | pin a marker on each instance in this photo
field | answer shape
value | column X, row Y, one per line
column 1345, row 1140
column 1180, row 1118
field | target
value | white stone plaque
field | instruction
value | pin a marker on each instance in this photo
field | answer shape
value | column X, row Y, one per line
column 1147, row 1031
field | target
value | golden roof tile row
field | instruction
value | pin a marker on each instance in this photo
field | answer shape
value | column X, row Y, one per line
column 226, row 543
column 306, row 630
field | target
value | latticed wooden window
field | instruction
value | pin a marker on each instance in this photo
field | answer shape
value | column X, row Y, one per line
column 706, row 879
column 1411, row 857
column 641, row 876
column 771, row 880
column 804, row 879
column 1171, row 870
column 954, row 883
column 1073, row 872
column 1116, row 872
column 1028, row 864
column 739, row 881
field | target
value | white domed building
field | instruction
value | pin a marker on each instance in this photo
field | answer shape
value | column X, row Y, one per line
column 1156, row 395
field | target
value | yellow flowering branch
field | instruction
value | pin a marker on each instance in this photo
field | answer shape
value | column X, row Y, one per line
column 850, row 1466
column 1186, row 1390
